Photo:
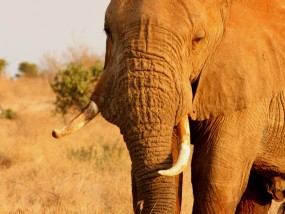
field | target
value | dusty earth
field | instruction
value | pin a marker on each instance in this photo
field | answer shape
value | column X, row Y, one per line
column 88, row 172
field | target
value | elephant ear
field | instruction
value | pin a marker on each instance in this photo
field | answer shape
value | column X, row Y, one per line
column 248, row 66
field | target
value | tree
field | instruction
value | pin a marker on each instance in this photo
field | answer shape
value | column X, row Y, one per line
column 28, row 69
column 74, row 84
column 3, row 65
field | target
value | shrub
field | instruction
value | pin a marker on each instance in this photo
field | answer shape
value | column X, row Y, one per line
column 3, row 65
column 9, row 114
column 28, row 69
column 73, row 86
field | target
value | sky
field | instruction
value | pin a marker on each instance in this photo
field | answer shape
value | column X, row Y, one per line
column 29, row 29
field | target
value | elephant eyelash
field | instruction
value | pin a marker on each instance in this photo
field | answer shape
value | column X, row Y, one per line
column 197, row 39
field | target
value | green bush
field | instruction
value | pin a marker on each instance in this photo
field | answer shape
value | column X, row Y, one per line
column 3, row 65
column 9, row 114
column 28, row 69
column 73, row 86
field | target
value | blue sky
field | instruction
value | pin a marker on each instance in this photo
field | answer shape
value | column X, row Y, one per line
column 31, row 28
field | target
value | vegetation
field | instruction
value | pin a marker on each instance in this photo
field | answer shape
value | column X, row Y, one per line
column 87, row 172
column 9, row 114
column 82, row 154
column 74, row 85
column 3, row 65
column 100, row 158
column 28, row 69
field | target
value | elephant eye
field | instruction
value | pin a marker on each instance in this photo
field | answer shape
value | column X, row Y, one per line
column 198, row 37
column 197, row 40
column 200, row 34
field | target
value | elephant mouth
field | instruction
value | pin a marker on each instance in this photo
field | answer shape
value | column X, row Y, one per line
column 92, row 110
column 278, row 195
column 276, row 189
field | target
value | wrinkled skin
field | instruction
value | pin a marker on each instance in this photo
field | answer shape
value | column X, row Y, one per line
column 220, row 61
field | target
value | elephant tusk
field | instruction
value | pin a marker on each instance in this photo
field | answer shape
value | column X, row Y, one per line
column 184, row 151
column 87, row 114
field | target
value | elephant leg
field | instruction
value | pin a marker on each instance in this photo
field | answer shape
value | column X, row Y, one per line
column 276, row 188
column 256, row 199
column 219, row 182
column 224, row 151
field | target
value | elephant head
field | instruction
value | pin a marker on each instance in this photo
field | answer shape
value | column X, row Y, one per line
column 161, row 65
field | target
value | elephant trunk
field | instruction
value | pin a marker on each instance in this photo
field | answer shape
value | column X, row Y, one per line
column 147, row 126
column 151, row 156
column 150, row 151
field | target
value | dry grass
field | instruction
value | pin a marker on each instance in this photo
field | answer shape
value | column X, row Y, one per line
column 87, row 172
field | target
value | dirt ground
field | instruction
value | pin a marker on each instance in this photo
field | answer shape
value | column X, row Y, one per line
column 87, row 172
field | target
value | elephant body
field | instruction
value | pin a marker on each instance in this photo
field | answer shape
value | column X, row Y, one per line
column 222, row 62
column 231, row 148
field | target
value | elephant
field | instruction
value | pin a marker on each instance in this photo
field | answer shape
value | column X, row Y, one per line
column 209, row 72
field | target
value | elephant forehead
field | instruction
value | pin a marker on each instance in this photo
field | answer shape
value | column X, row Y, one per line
column 169, row 13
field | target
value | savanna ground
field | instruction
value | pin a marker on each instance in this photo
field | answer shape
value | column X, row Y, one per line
column 87, row 172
